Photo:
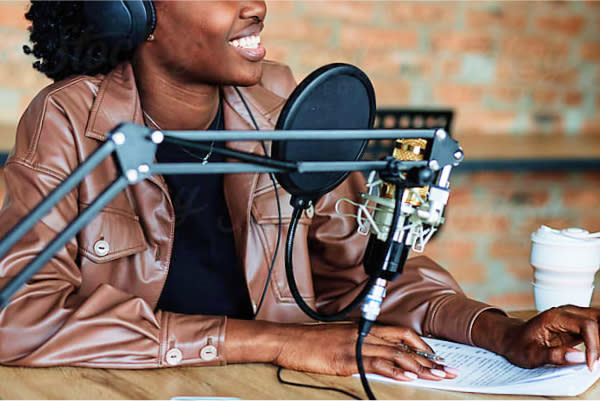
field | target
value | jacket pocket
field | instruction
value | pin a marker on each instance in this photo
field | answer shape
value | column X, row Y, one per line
column 264, row 211
column 112, row 234
column 264, row 207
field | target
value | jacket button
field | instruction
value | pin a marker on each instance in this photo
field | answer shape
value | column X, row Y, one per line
column 208, row 353
column 310, row 212
column 174, row 356
column 101, row 248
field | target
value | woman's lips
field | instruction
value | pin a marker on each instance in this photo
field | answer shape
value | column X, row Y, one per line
column 255, row 54
column 249, row 47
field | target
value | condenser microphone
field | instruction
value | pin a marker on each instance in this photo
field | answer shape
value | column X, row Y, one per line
column 420, row 214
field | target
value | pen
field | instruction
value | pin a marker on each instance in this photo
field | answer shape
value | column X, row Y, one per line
column 432, row 357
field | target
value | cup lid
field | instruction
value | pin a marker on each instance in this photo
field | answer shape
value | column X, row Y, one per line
column 572, row 236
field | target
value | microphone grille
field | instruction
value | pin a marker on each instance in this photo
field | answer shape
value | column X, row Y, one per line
column 412, row 150
column 409, row 149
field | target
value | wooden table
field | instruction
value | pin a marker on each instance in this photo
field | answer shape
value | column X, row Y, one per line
column 248, row 381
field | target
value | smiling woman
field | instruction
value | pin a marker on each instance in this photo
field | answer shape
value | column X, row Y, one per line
column 172, row 271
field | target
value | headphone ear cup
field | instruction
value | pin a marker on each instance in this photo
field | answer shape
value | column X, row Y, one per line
column 143, row 19
column 150, row 18
column 120, row 23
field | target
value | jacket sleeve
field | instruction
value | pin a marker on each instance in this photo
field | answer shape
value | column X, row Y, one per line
column 425, row 297
column 47, row 323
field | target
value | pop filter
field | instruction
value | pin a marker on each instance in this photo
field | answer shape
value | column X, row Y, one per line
column 336, row 96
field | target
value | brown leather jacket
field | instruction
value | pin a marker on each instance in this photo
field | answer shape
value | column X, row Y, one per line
column 94, row 303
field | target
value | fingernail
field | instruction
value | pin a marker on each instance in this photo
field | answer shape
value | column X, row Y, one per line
column 452, row 371
column 411, row 375
column 438, row 373
column 596, row 366
column 575, row 357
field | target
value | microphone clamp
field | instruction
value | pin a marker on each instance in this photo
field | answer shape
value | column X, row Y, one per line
column 396, row 173
column 371, row 307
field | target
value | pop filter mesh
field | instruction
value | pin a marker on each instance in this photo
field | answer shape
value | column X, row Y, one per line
column 336, row 97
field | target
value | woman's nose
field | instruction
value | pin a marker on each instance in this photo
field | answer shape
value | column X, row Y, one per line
column 254, row 9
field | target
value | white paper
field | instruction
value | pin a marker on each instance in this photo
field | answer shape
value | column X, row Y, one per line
column 482, row 371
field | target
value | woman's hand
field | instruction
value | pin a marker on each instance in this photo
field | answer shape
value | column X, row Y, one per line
column 547, row 338
column 330, row 349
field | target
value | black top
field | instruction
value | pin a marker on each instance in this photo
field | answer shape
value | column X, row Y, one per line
column 204, row 275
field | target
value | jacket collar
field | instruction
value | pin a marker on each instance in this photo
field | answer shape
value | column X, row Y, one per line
column 117, row 100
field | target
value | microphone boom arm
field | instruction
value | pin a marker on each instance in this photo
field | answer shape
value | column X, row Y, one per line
column 135, row 148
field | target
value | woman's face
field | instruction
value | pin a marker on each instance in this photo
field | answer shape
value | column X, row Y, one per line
column 215, row 42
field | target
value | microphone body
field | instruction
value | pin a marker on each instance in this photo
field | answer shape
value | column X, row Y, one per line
column 407, row 214
column 385, row 257
column 408, row 210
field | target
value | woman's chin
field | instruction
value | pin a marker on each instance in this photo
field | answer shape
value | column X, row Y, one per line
column 249, row 79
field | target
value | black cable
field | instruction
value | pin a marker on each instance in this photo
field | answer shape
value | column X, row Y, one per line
column 339, row 390
column 247, row 107
column 361, row 368
column 288, row 258
column 289, row 271
column 364, row 325
column 297, row 212
column 280, row 223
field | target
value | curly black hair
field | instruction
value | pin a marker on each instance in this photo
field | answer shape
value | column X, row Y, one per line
column 64, row 45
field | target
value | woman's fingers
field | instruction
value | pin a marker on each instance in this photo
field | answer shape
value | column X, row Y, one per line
column 591, row 313
column 558, row 327
column 387, row 368
column 408, row 361
column 403, row 335
column 592, row 341
column 424, row 369
column 564, row 356
column 588, row 329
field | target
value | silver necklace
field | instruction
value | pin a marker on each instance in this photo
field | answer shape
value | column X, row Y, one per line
column 204, row 159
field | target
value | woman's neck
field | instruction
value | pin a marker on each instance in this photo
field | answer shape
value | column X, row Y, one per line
column 172, row 104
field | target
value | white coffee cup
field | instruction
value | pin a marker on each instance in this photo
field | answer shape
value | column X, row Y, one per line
column 548, row 297
column 564, row 264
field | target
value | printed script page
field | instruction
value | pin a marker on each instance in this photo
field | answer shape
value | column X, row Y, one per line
column 482, row 371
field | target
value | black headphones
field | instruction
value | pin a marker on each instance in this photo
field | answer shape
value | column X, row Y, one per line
column 126, row 23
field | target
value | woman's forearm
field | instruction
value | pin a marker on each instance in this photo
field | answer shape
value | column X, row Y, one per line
column 330, row 349
column 260, row 341
column 254, row 341
column 493, row 330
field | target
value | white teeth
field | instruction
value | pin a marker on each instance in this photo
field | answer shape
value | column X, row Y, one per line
column 248, row 42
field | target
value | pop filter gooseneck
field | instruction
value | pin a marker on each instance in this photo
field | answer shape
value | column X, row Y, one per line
column 336, row 96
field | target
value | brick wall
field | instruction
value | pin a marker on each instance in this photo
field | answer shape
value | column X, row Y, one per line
column 507, row 67
column 522, row 68
column 485, row 242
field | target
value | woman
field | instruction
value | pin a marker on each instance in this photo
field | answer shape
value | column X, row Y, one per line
column 114, row 296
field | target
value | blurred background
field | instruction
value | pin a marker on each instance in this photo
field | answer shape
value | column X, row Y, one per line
column 521, row 77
